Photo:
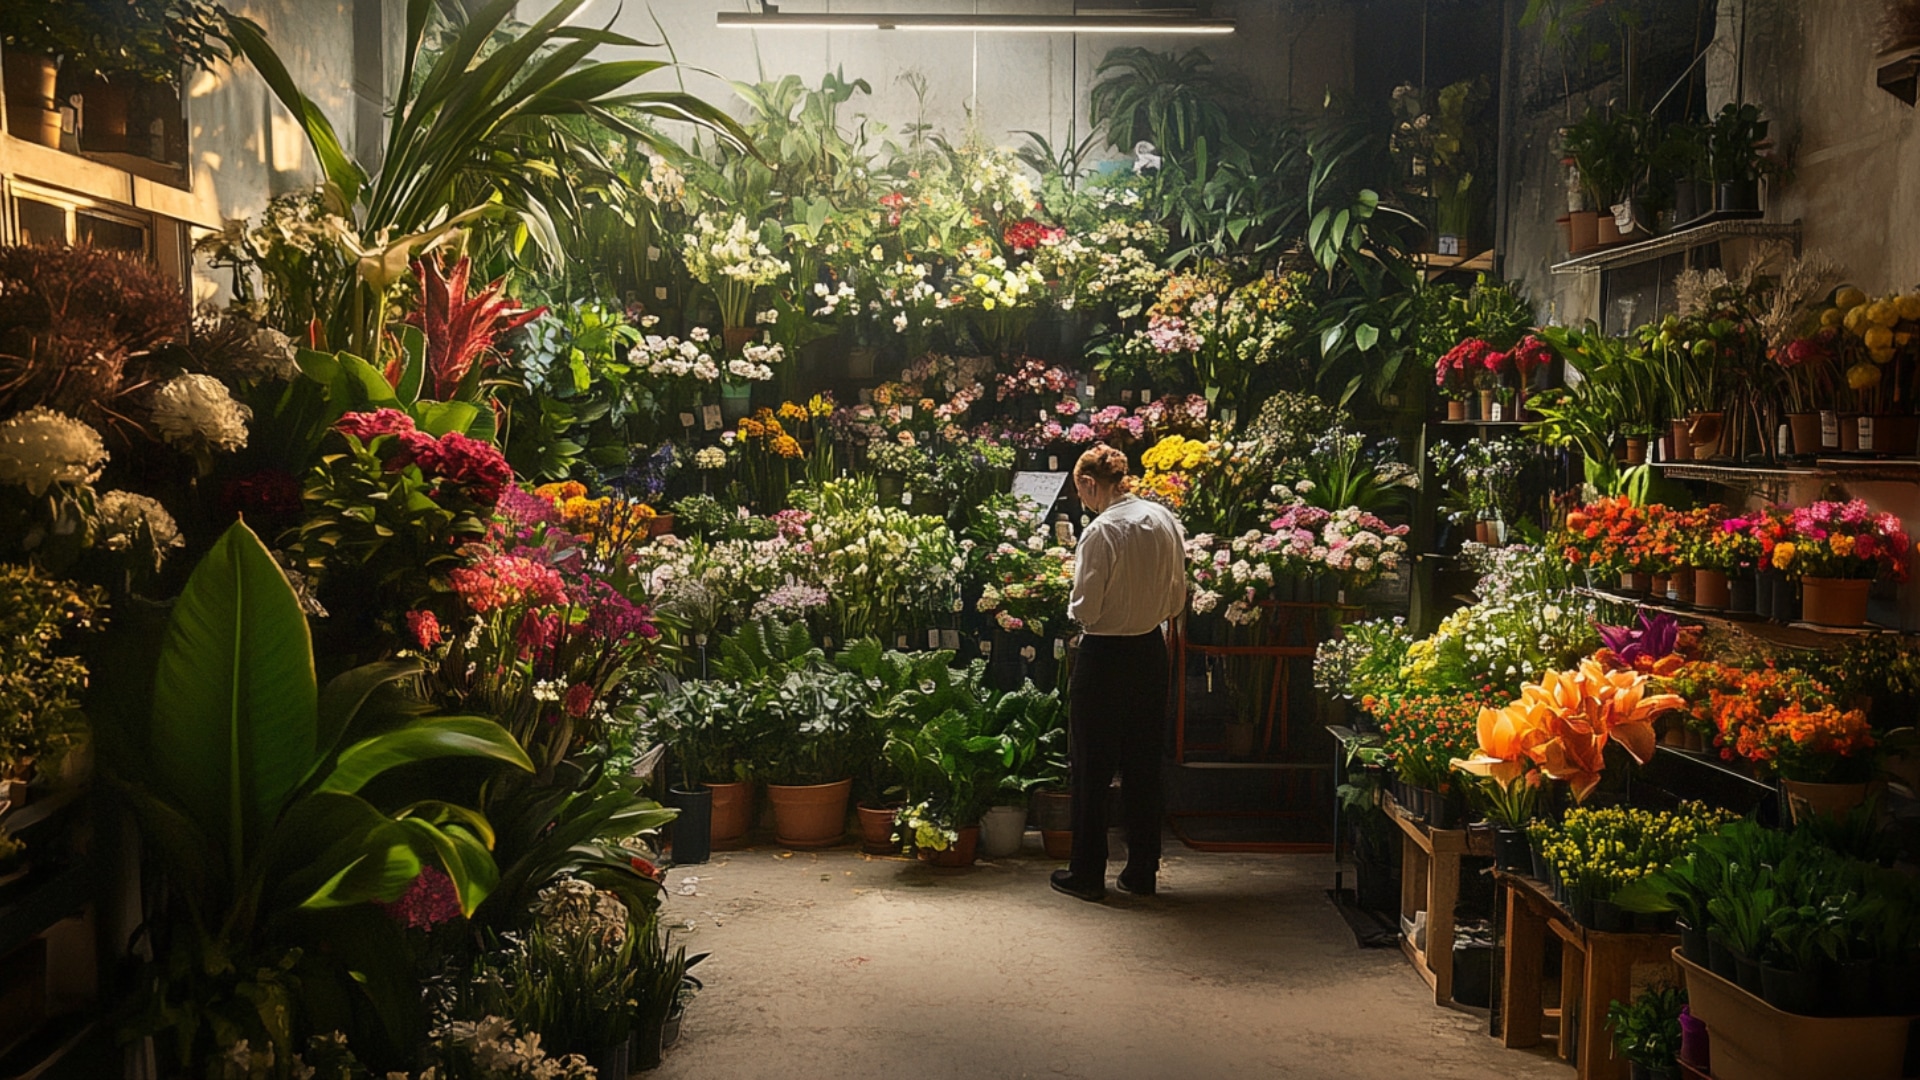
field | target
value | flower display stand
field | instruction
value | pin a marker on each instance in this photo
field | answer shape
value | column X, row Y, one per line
column 1430, row 882
column 1752, row 1040
column 1596, row 968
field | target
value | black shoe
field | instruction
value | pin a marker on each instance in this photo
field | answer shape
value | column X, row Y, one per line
column 1135, row 886
column 1064, row 881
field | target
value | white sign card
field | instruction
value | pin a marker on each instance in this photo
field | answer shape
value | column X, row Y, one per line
column 1042, row 487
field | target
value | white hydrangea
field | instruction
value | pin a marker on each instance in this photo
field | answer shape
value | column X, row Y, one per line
column 40, row 448
column 127, row 521
column 197, row 414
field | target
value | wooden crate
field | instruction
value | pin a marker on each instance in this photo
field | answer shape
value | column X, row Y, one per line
column 1430, row 882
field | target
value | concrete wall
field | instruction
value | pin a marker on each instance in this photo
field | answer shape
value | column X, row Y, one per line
column 1285, row 54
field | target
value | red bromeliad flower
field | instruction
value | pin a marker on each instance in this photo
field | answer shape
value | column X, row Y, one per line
column 1025, row 235
column 461, row 329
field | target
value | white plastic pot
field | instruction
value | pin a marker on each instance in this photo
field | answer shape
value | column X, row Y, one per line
column 1001, row 829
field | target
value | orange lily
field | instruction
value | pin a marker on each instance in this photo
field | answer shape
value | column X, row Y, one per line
column 1563, row 722
column 1508, row 744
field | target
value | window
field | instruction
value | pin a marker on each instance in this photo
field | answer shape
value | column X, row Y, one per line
column 53, row 217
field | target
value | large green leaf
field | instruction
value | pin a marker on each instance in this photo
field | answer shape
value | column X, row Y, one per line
column 235, row 702
column 423, row 740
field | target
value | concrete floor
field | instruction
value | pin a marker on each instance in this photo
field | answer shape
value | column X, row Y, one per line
column 843, row 966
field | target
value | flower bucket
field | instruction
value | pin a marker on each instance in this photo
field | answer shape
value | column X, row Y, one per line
column 732, row 811
column 692, row 831
column 1679, row 445
column 1607, row 231
column 1584, row 231
column 1763, row 592
column 1834, row 601
column 1806, row 799
column 1456, row 410
column 1888, row 435
column 1703, row 434
column 1741, row 593
column 1058, row 843
column 1811, row 433
column 1632, row 584
column 1662, row 587
column 1001, row 830
column 809, row 815
column 1712, row 591
column 1634, row 451
column 736, row 400
column 876, row 830
column 660, row 525
column 958, row 854
column 737, row 338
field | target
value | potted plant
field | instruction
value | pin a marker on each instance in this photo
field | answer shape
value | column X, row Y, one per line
column 699, row 722
column 951, row 771
column 40, row 689
column 1736, row 139
column 1604, row 148
column 1031, row 744
column 36, row 33
column 813, row 729
column 1837, row 550
column 1683, row 155
column 1646, row 1031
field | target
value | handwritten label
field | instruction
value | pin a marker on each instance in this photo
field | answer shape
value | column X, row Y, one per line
column 950, row 639
column 1053, row 463
column 906, row 498
column 986, row 648
column 1866, row 433
column 686, row 419
column 906, row 412
column 900, row 641
column 1829, row 429
column 933, row 637
column 1087, row 390
column 659, row 292
column 1126, row 396
column 1146, row 397
column 1497, row 413
column 1059, row 648
column 710, row 417
column 653, row 253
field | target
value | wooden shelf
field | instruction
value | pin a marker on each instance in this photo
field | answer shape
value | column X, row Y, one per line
column 1900, row 76
column 1435, row 265
column 1733, row 474
column 1797, row 635
column 1482, row 423
column 1677, row 241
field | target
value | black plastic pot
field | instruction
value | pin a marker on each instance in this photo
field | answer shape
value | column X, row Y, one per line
column 1720, row 960
column 1849, row 989
column 1693, row 945
column 1741, row 594
column 609, row 1060
column 1786, row 599
column 1763, row 592
column 1609, row 919
column 1738, row 197
column 1686, row 201
column 1512, row 850
column 1797, row 992
column 692, row 831
column 1746, row 972
column 1444, row 811
column 1541, row 872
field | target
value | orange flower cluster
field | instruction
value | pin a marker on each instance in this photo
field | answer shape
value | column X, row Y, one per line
column 1562, row 724
column 1600, row 535
column 765, row 426
column 606, row 520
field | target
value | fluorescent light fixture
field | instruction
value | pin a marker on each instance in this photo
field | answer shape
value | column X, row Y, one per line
column 1030, row 24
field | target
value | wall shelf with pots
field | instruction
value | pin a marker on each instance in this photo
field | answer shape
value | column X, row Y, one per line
column 1794, row 635
column 1678, row 241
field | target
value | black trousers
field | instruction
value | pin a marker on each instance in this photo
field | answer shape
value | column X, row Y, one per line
column 1117, row 702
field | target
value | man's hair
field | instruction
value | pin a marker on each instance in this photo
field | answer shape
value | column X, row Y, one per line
column 1104, row 465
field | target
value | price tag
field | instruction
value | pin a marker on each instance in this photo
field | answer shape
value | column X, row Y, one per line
column 1783, row 440
column 1041, row 488
column 906, row 498
column 1053, row 463
column 1059, row 648
column 1497, row 412
column 1087, row 390
column 1866, row 433
column 653, row 253
column 900, row 641
column 950, row 639
column 933, row 638
column 1829, row 429
column 826, row 643
column 986, row 648
column 1146, row 397
column 1126, row 396
column 1063, row 531
column 710, row 417
column 906, row 412
column 1659, row 449
column 659, row 292
column 686, row 419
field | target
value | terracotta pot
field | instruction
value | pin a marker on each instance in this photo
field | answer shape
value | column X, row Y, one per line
column 1566, row 231
column 1633, row 584
column 876, row 830
column 1705, row 431
column 1607, row 231
column 1053, row 810
column 660, row 525
column 738, row 338
column 1679, row 446
column 810, row 815
column 1483, row 532
column 732, row 811
column 1883, row 435
column 1711, row 590
column 1456, row 410
column 1662, row 584
column 1634, row 452
column 1834, row 601
column 1835, row 801
column 1805, row 428
column 958, row 854
column 32, row 114
column 1680, row 585
column 1057, row 842
column 1584, row 231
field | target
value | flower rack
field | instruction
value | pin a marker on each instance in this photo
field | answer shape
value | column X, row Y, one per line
column 1752, row 1040
column 1430, row 881
column 1595, row 968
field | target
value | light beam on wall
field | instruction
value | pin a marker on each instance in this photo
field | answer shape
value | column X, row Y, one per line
column 1029, row 24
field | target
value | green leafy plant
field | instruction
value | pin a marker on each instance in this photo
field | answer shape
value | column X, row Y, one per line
column 1646, row 1030
column 155, row 40
column 253, row 789
column 40, row 689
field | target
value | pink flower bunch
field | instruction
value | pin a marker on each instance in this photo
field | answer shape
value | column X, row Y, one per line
column 1174, row 414
column 1113, row 424
column 793, row 524
column 1529, row 356
column 477, row 466
column 425, row 628
column 1460, row 363
column 1081, row 433
column 1169, row 334
column 429, row 900
column 498, row 581
column 1036, row 377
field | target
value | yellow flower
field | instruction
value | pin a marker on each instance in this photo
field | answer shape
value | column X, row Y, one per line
column 1783, row 553
column 1841, row 543
column 787, row 446
column 790, row 411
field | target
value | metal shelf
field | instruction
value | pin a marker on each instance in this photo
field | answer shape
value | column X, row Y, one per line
column 1674, row 242
column 1797, row 635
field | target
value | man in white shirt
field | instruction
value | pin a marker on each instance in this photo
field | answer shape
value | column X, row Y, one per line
column 1129, row 578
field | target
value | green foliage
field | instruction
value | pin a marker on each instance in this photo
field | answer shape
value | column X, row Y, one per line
column 247, row 782
column 1646, row 1030
column 153, row 40
column 40, row 689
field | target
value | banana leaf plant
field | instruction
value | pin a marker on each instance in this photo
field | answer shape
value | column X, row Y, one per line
column 467, row 99
column 249, row 782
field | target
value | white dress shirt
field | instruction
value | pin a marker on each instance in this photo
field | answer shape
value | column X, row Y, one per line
column 1129, row 571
